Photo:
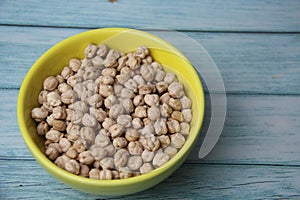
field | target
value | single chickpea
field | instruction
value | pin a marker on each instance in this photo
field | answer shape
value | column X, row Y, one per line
column 66, row 72
column 121, row 158
column 73, row 131
column 161, row 87
column 151, row 99
column 142, row 52
column 177, row 140
column 72, row 166
column 175, row 89
column 52, row 153
column 110, row 101
column 116, row 110
column 131, row 134
column 140, row 112
column 160, row 126
column 170, row 78
column 94, row 174
column 63, row 87
column 107, row 123
column 90, row 51
column 107, row 163
column 53, row 135
column 111, row 150
column 98, row 152
column 42, row 97
column 160, row 75
column 184, row 128
column 59, row 125
column 42, row 128
column 74, row 64
column 165, row 110
column 134, row 162
column 89, row 120
column 116, row 130
column 119, row 142
column 137, row 123
column 50, row 83
column 39, row 114
column 106, row 90
column 102, row 50
column 145, row 89
column 53, row 98
column 171, row 151
column 124, row 120
column 173, row 126
column 133, row 62
column 185, row 102
column 160, row 159
column 187, row 115
column 153, row 113
column 86, row 157
column 110, row 62
column 177, row 115
column 84, row 170
column 97, row 61
column 127, row 105
column 165, row 98
column 146, row 168
column 164, row 140
column 87, row 134
column 102, row 140
column 138, row 100
column 72, row 153
column 147, row 155
column 109, row 72
column 147, row 72
column 79, row 146
column 68, row 97
column 135, row 148
column 150, row 142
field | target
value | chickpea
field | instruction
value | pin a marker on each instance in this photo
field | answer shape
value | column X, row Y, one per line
column 160, row 159
column 109, row 72
column 138, row 100
column 175, row 104
column 116, row 110
column 175, row 89
column 134, row 162
column 177, row 140
column 121, row 158
column 59, row 125
column 50, row 83
column 53, row 135
column 63, row 87
column 94, row 174
column 66, row 72
column 140, row 112
column 153, row 113
column 173, row 126
column 97, row 61
column 98, row 152
column 89, row 121
column 72, row 166
column 131, row 135
column 110, row 101
column 96, row 100
column 102, row 140
column 151, row 99
column 105, row 90
column 137, row 123
column 145, row 89
column 86, row 157
column 107, row 123
column 184, row 128
column 150, row 142
column 185, row 102
column 74, row 64
column 119, row 142
column 147, row 155
column 42, row 128
column 135, row 148
column 124, row 120
column 84, row 170
column 102, row 50
column 107, row 163
column 68, row 97
column 116, row 130
column 60, row 161
column 147, row 72
column 42, row 96
column 187, row 115
column 165, row 110
column 146, row 168
column 72, row 153
column 171, row 151
column 160, row 126
column 39, row 114
column 177, row 115
column 52, row 153
column 170, row 78
column 165, row 98
column 79, row 146
column 110, row 62
column 164, row 140
column 127, row 105
column 90, row 51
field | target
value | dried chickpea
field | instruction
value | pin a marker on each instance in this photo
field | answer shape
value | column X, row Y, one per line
column 50, row 83
column 184, row 128
column 86, row 157
column 146, row 168
column 177, row 140
column 98, row 152
column 53, row 135
column 134, row 162
column 131, row 135
column 94, row 174
column 187, row 115
column 59, row 125
column 135, row 148
column 119, row 142
column 107, row 163
column 72, row 166
column 39, row 114
column 160, row 158
column 105, row 174
column 42, row 128
column 147, row 155
column 121, row 158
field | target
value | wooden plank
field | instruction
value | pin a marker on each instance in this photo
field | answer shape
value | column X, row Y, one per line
column 249, row 63
column 27, row 180
column 204, row 15
column 258, row 129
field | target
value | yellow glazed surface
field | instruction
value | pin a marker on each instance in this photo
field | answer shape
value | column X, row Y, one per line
column 52, row 62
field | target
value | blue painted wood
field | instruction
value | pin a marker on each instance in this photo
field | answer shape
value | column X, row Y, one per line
column 190, row 181
column 249, row 63
column 206, row 15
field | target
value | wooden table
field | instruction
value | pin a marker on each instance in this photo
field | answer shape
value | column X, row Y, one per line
column 255, row 44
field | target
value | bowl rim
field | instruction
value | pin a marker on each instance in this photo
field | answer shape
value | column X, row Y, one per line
column 54, row 169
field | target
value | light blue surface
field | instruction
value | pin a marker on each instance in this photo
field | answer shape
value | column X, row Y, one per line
column 255, row 44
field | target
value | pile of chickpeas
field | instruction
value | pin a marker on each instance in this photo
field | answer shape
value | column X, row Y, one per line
column 112, row 115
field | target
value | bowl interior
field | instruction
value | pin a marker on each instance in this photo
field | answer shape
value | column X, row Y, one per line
column 52, row 62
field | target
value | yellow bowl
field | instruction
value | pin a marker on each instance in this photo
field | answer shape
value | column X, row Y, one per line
column 52, row 62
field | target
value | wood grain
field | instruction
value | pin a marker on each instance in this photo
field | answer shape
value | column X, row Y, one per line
column 249, row 63
column 249, row 16
column 190, row 181
column 270, row 136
